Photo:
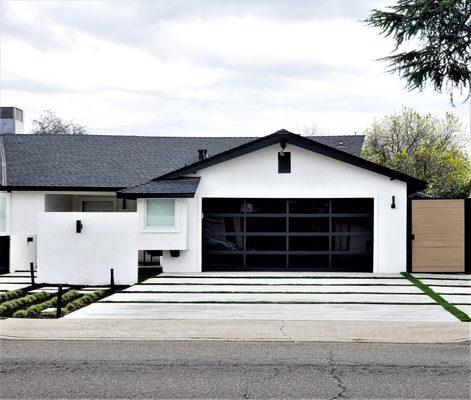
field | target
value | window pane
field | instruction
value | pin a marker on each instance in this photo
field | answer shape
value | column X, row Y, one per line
column 223, row 260
column 160, row 212
column 3, row 214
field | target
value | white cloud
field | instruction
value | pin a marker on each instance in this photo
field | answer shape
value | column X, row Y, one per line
column 199, row 68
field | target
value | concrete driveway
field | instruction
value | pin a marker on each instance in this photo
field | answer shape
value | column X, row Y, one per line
column 281, row 296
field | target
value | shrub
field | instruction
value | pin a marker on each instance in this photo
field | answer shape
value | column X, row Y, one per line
column 12, row 294
column 7, row 308
column 35, row 310
column 83, row 301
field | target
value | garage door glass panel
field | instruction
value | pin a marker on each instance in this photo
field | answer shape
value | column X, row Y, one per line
column 307, row 224
column 353, row 224
column 266, row 243
column 261, row 206
column 359, row 262
column 309, row 243
column 224, row 260
column 266, row 224
column 216, row 206
column 223, row 224
column 309, row 261
column 347, row 206
column 351, row 243
column 224, row 242
column 266, row 261
column 308, row 206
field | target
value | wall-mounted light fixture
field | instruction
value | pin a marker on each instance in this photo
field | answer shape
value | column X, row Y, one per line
column 78, row 226
column 283, row 145
column 393, row 202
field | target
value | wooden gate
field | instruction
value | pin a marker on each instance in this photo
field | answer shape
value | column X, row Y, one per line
column 439, row 238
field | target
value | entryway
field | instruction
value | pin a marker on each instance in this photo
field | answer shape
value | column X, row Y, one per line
column 288, row 234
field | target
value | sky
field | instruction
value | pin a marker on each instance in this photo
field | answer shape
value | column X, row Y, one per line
column 203, row 67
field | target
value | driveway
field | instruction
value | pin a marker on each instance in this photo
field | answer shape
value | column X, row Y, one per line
column 282, row 296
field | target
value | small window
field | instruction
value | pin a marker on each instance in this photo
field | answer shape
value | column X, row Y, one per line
column 284, row 162
column 160, row 213
column 3, row 214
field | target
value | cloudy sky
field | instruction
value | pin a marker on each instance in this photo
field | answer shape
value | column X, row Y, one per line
column 204, row 67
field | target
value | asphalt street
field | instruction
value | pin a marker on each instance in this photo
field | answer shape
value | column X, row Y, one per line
column 233, row 370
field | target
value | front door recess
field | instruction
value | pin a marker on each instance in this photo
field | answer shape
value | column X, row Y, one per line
column 288, row 234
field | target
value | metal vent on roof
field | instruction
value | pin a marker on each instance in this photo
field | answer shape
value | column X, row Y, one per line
column 284, row 162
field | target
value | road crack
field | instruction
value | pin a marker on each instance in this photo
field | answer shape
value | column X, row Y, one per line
column 334, row 374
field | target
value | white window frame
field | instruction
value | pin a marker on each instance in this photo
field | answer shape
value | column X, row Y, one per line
column 142, row 205
column 83, row 199
column 8, row 213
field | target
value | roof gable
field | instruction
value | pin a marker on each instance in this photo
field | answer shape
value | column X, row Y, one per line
column 284, row 136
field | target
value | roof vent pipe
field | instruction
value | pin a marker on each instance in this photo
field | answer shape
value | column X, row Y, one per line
column 202, row 154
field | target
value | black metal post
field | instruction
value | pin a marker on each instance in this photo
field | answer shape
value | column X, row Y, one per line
column 31, row 270
column 112, row 280
column 59, row 302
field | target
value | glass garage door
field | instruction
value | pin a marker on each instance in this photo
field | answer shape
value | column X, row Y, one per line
column 288, row 234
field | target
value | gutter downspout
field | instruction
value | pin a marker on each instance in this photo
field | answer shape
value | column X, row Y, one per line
column 3, row 163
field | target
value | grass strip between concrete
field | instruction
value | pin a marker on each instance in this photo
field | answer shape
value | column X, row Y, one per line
column 260, row 302
column 462, row 316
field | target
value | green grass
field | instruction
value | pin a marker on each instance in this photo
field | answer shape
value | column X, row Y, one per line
column 35, row 310
column 462, row 316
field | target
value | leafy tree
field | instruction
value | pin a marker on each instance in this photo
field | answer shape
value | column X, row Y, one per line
column 423, row 146
column 50, row 123
column 437, row 34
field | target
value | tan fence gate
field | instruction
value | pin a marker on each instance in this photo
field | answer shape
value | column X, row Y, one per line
column 440, row 235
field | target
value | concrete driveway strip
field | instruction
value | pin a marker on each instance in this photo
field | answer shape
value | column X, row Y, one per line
column 238, row 330
column 276, row 289
column 269, row 297
column 313, row 312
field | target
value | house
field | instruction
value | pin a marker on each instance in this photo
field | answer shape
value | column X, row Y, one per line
column 279, row 202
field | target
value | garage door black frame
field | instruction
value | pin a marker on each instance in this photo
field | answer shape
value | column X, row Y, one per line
column 329, row 254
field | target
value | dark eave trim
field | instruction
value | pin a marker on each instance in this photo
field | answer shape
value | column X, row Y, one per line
column 60, row 188
column 307, row 144
column 155, row 195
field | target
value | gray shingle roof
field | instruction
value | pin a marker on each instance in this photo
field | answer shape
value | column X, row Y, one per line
column 112, row 162
column 185, row 187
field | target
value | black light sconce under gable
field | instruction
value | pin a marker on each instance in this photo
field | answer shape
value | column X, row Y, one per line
column 284, row 159
column 393, row 202
column 78, row 226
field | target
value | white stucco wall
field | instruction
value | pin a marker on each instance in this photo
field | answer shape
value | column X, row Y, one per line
column 107, row 240
column 24, row 208
column 313, row 176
